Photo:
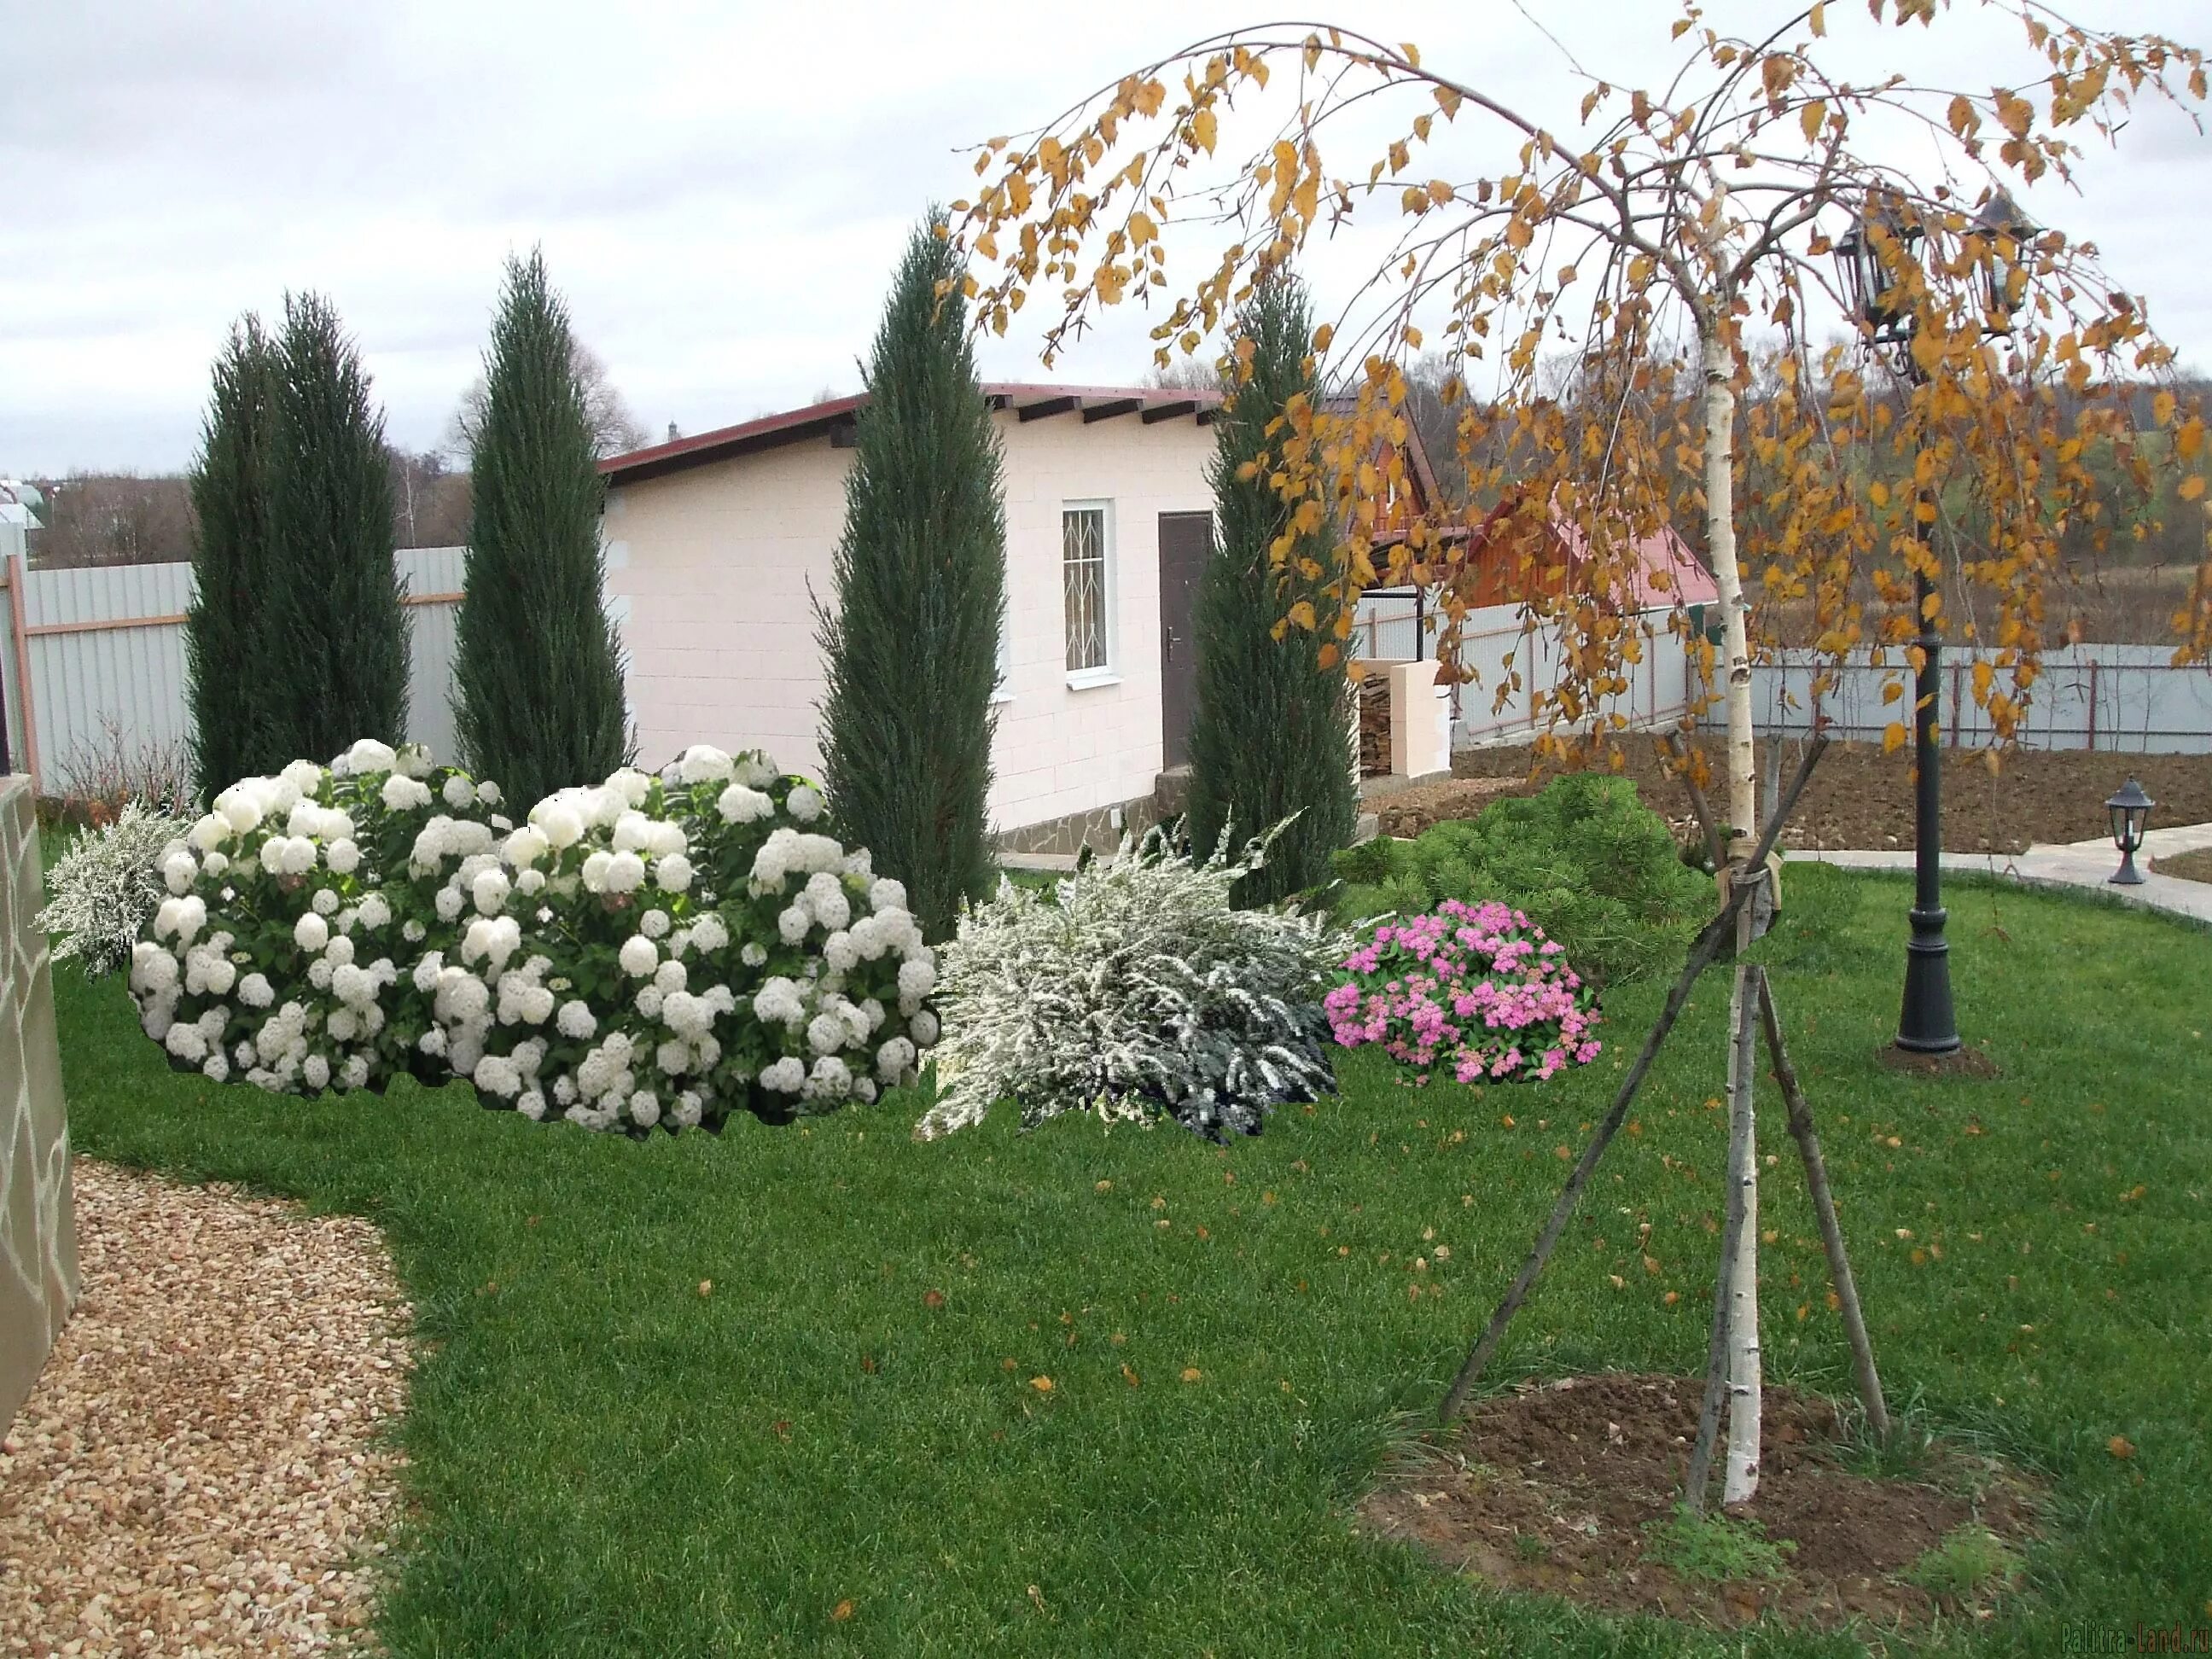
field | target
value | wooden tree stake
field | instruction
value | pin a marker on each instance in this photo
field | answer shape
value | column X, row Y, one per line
column 1702, row 952
column 1824, row 1209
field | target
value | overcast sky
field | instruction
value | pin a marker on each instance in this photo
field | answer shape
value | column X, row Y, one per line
column 720, row 189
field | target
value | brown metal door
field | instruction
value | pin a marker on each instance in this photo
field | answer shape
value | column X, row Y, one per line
column 1185, row 544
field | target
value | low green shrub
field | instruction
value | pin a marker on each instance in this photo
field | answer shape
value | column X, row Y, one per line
column 1587, row 860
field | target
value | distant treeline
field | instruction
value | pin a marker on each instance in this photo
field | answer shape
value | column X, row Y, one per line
column 124, row 517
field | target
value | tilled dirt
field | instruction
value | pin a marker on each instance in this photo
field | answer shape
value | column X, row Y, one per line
column 1860, row 799
column 201, row 1469
column 1550, row 1490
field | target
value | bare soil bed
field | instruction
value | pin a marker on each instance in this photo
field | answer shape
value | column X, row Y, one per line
column 1550, row 1490
column 2188, row 867
column 1861, row 798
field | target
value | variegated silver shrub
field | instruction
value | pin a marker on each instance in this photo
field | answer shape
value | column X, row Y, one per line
column 107, row 886
column 1134, row 990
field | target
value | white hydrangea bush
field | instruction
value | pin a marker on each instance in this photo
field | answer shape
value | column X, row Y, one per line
column 1135, row 990
column 645, row 951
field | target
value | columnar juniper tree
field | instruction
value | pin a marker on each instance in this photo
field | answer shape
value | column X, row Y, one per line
column 226, row 637
column 539, row 701
column 911, row 635
column 337, row 661
column 1270, row 735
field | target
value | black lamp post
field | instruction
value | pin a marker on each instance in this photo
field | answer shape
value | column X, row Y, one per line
column 1869, row 259
column 2131, row 809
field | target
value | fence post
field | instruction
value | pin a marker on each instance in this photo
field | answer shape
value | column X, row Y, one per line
column 2093, row 702
column 23, row 645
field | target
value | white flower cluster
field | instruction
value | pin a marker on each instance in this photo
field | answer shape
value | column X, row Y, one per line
column 1135, row 990
column 637, row 952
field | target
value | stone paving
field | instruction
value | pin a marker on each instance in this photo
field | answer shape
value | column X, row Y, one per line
column 2082, row 864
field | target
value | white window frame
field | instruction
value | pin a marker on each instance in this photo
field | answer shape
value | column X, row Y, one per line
column 1002, row 688
column 1108, row 672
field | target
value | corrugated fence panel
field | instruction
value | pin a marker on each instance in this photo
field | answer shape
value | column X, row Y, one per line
column 97, row 691
column 430, row 572
column 2128, row 699
column 104, row 696
column 1498, row 643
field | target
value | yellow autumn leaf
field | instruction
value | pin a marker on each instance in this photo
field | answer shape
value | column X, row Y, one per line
column 2161, row 407
column 1302, row 614
column 1042, row 1384
column 1810, row 117
column 2192, row 486
column 1892, row 738
column 1202, row 129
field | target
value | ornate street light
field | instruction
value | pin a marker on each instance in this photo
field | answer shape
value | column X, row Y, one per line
column 2130, row 809
column 1868, row 283
column 1927, row 1024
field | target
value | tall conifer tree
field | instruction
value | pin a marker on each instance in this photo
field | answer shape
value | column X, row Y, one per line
column 1271, row 733
column 910, row 636
column 537, row 674
column 337, row 628
column 226, row 640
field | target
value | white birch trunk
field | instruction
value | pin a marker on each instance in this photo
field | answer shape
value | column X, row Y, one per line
column 1744, row 1398
column 1720, row 538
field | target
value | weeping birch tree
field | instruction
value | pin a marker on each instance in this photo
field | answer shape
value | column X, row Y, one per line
column 1673, row 245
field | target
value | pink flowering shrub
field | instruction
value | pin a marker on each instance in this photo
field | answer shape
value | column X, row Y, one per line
column 1475, row 988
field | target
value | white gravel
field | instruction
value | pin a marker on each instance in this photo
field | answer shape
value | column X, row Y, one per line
column 202, row 1468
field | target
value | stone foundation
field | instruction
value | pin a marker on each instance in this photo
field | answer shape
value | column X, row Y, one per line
column 1095, row 828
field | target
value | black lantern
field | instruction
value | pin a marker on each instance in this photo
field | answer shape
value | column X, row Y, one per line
column 2130, row 808
column 2001, row 275
column 1868, row 281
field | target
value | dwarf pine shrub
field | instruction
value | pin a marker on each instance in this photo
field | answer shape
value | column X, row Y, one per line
column 1585, row 859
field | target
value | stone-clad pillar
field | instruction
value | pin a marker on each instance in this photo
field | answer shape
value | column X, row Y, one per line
column 37, row 1224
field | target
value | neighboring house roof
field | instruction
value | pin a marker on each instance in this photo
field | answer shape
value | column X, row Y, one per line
column 836, row 418
column 1667, row 572
column 1419, row 474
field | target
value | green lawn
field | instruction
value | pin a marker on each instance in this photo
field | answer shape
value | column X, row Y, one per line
column 603, row 1463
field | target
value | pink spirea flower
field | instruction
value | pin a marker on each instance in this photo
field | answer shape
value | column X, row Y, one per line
column 1476, row 988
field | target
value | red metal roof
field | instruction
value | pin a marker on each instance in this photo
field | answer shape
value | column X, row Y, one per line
column 1028, row 400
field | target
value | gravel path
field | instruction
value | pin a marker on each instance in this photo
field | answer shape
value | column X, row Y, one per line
column 200, row 1469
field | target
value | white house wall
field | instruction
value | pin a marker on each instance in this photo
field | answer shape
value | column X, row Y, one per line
column 710, row 568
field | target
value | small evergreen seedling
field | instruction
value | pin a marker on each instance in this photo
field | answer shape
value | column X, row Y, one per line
column 1716, row 1546
column 1971, row 1559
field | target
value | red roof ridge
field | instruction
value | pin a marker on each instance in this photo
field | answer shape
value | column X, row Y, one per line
column 791, row 425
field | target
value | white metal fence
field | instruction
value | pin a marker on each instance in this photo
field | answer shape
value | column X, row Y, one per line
column 1390, row 626
column 2125, row 698
column 97, row 654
